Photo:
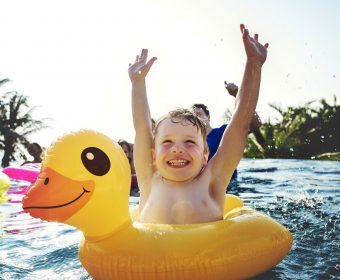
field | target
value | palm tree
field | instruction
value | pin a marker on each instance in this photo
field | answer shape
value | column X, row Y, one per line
column 2, row 111
column 304, row 132
column 322, row 131
column 16, row 123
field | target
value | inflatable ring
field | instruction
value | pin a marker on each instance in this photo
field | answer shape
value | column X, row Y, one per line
column 4, row 186
column 85, row 182
column 27, row 172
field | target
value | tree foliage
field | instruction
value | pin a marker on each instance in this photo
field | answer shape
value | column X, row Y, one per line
column 304, row 132
column 16, row 124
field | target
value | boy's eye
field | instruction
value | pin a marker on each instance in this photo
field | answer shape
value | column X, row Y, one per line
column 166, row 141
column 190, row 142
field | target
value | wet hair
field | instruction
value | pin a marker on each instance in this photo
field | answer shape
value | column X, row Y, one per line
column 201, row 106
column 153, row 123
column 184, row 116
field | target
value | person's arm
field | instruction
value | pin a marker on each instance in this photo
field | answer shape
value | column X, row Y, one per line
column 255, row 122
column 142, row 122
column 234, row 138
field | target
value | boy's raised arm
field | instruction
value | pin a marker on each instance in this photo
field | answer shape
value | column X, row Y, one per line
column 234, row 139
column 142, row 120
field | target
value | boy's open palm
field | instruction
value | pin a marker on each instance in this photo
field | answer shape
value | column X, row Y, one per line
column 140, row 68
column 255, row 51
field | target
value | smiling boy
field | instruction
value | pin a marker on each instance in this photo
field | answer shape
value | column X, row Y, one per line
column 177, row 183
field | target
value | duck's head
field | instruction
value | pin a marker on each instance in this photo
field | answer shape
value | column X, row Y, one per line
column 4, row 186
column 84, row 182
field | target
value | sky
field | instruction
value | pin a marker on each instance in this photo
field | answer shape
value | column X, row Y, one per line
column 71, row 57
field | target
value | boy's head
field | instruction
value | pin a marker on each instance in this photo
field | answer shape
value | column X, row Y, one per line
column 180, row 145
column 184, row 117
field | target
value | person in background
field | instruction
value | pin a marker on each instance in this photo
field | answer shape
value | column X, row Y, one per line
column 128, row 150
column 214, row 135
column 255, row 123
column 35, row 150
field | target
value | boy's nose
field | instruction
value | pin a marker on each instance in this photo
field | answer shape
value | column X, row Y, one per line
column 177, row 148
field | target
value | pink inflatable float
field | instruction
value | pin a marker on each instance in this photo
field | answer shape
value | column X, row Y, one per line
column 27, row 172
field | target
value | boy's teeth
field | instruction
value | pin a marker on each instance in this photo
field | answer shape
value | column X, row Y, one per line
column 177, row 162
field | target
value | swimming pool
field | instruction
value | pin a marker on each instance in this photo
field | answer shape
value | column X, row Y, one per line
column 302, row 195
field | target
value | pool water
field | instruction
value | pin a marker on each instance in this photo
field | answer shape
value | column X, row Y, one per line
column 302, row 195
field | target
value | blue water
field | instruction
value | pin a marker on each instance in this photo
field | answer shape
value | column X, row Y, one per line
column 302, row 195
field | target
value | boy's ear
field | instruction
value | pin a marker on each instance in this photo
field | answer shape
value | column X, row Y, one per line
column 206, row 156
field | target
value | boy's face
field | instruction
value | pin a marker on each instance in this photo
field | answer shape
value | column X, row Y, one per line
column 179, row 151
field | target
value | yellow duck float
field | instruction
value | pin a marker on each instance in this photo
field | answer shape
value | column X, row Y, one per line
column 84, row 182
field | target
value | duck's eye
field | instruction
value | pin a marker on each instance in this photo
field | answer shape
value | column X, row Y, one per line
column 95, row 161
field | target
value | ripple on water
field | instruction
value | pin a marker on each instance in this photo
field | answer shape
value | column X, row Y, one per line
column 303, row 196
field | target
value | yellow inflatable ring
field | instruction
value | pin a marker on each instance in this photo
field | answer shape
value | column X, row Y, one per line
column 85, row 182
column 4, row 186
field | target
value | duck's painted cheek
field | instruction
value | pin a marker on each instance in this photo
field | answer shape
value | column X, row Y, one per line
column 55, row 197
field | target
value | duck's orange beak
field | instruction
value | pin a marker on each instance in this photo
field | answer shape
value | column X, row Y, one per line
column 56, row 198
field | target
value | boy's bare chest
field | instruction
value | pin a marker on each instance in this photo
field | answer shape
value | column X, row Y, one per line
column 185, row 203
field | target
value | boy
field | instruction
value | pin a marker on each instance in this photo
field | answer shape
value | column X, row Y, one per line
column 177, row 183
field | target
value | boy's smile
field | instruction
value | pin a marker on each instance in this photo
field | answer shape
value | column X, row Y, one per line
column 178, row 162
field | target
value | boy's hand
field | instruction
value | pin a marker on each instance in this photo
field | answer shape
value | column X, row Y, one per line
column 231, row 88
column 140, row 68
column 254, row 50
